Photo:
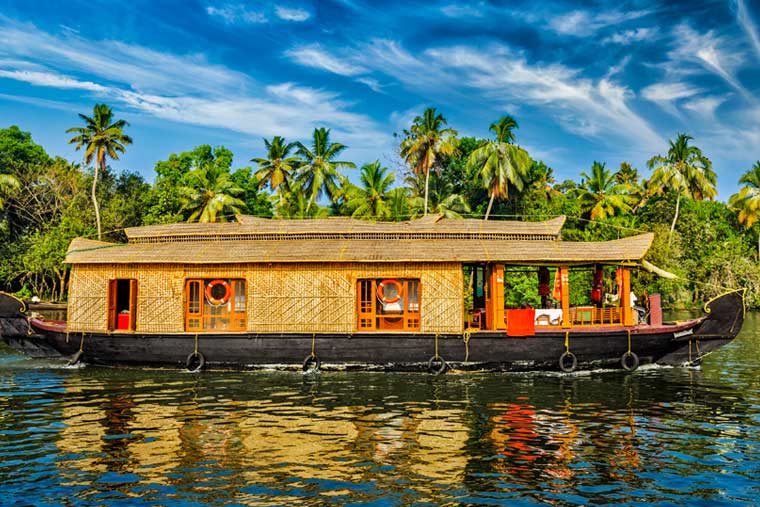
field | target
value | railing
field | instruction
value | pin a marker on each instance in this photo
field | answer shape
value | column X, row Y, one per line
column 583, row 316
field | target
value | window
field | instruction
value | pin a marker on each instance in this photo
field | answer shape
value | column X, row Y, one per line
column 122, row 304
column 215, row 304
column 388, row 304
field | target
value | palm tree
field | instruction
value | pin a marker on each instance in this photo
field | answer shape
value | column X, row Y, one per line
column 398, row 204
column 747, row 201
column 369, row 200
column 685, row 171
column 210, row 194
column 319, row 172
column 601, row 195
column 277, row 168
column 443, row 200
column 100, row 138
column 543, row 182
column 425, row 143
column 8, row 184
column 295, row 205
column 499, row 162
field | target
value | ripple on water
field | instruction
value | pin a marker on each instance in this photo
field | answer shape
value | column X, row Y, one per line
column 108, row 436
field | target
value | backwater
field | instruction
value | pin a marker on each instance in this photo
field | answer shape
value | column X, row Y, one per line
column 87, row 436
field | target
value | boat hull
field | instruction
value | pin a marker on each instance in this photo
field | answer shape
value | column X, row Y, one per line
column 594, row 347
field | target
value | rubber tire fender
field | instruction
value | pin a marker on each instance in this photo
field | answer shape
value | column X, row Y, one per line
column 634, row 361
column 573, row 362
column 437, row 365
column 195, row 362
column 312, row 362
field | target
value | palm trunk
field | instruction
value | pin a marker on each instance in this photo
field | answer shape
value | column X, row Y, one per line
column 490, row 203
column 427, row 181
column 95, row 200
column 675, row 218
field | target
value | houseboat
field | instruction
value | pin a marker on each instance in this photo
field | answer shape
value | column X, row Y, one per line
column 427, row 294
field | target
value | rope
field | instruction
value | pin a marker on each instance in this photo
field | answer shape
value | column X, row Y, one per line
column 81, row 343
column 313, row 340
column 436, row 345
column 567, row 341
column 466, row 338
column 699, row 352
column 196, row 344
column 689, row 351
column 629, row 341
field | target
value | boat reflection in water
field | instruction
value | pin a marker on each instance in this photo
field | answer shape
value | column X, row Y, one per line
column 263, row 438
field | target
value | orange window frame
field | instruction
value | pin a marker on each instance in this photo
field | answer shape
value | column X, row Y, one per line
column 203, row 317
column 369, row 315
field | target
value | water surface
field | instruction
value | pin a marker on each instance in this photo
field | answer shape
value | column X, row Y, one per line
column 90, row 436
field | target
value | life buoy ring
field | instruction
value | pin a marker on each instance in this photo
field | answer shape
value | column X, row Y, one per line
column 381, row 291
column 195, row 362
column 437, row 365
column 629, row 361
column 563, row 362
column 210, row 292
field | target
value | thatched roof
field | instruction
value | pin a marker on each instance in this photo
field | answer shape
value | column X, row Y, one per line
column 548, row 252
column 431, row 227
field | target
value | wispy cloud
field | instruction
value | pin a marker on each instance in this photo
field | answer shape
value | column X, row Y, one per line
column 627, row 37
column 503, row 77
column 667, row 94
column 185, row 89
column 714, row 53
column 582, row 23
column 317, row 57
column 372, row 83
column 236, row 13
column 747, row 25
column 705, row 107
column 463, row 10
column 51, row 80
column 288, row 14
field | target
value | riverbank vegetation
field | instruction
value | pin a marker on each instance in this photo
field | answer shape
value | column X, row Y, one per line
column 47, row 201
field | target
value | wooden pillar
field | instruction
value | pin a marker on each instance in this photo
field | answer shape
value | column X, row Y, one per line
column 495, row 298
column 564, row 277
column 625, row 298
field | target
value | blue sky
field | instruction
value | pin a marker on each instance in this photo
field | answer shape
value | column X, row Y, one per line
column 607, row 81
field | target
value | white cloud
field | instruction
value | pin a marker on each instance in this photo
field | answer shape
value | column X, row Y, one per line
column 590, row 108
column 234, row 14
column 316, row 57
column 627, row 37
column 182, row 88
column 51, row 80
column 705, row 107
column 142, row 68
column 297, row 15
column 713, row 53
column 463, row 11
column 747, row 25
column 373, row 84
column 667, row 94
column 581, row 23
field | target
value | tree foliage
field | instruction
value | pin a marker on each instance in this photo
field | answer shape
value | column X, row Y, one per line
column 709, row 245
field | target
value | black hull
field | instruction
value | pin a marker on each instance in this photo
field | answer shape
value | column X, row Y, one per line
column 678, row 344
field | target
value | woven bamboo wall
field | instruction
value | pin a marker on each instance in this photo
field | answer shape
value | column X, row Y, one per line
column 281, row 297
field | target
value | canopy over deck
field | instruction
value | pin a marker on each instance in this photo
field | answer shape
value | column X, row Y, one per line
column 431, row 239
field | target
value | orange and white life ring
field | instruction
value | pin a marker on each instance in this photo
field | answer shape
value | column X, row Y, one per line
column 210, row 292
column 391, row 299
